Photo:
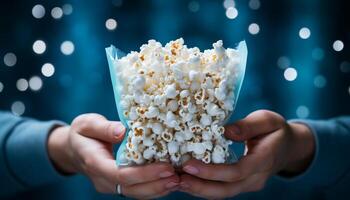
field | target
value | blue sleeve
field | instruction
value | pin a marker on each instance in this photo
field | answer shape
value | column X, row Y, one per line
column 24, row 159
column 331, row 161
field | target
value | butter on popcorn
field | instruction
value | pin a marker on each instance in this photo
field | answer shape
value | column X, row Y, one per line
column 175, row 101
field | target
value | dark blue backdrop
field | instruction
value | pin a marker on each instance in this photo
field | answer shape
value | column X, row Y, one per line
column 81, row 81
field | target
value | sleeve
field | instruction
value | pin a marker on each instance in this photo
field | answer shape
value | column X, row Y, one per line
column 331, row 160
column 25, row 163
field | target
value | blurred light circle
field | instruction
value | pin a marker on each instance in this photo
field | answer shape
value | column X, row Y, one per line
column 10, row 59
column 302, row 111
column 317, row 54
column 35, row 83
column 67, row 9
column 320, row 81
column 67, row 47
column 56, row 12
column 253, row 28
column 349, row 90
column 18, row 108
column 345, row 67
column 290, row 74
column 22, row 84
column 229, row 3
column 39, row 47
column 304, row 33
column 1, row 87
column 193, row 6
column 48, row 69
column 111, row 24
column 38, row 11
column 117, row 2
column 231, row 13
column 338, row 45
column 254, row 4
column 283, row 62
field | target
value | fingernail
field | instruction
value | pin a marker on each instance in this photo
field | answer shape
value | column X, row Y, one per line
column 184, row 185
column 191, row 170
column 235, row 130
column 120, row 129
column 165, row 174
column 171, row 185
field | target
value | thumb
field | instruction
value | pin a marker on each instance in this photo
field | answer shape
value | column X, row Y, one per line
column 98, row 127
column 255, row 124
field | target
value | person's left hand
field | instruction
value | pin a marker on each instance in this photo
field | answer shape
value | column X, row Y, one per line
column 273, row 146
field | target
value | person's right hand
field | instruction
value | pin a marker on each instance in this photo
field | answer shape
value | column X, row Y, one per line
column 86, row 147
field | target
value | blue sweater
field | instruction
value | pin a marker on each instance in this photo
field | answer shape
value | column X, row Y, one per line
column 26, row 171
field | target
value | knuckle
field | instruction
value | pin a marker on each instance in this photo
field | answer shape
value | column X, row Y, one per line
column 109, row 129
column 89, row 164
column 264, row 113
column 121, row 177
column 82, row 122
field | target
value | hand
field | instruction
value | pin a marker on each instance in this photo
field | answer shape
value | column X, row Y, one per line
column 272, row 146
column 86, row 147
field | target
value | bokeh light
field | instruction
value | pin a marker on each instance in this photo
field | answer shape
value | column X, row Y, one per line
column 35, row 83
column 254, row 4
column 39, row 47
column 229, row 3
column 302, row 111
column 304, row 33
column 18, row 108
column 22, row 84
column 338, row 45
column 10, row 59
column 38, row 11
column 283, row 62
column 67, row 9
column 290, row 74
column 1, row 87
column 111, row 24
column 56, row 12
column 193, row 6
column 48, row 69
column 67, row 47
column 317, row 54
column 253, row 28
column 231, row 13
column 320, row 81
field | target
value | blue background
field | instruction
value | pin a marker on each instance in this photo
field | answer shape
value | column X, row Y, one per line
column 81, row 81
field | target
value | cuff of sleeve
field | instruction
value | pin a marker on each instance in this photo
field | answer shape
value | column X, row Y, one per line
column 324, row 168
column 27, row 155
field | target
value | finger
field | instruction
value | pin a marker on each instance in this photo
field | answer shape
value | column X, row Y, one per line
column 255, row 124
column 98, row 127
column 151, row 189
column 145, row 173
column 102, row 167
column 217, row 190
column 247, row 166
column 103, row 186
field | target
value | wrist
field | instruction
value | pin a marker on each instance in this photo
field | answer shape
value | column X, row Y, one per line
column 301, row 151
column 58, row 150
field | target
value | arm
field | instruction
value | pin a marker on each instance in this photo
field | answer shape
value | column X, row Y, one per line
column 23, row 155
column 331, row 160
column 37, row 153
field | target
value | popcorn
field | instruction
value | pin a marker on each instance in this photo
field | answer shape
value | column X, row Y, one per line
column 175, row 100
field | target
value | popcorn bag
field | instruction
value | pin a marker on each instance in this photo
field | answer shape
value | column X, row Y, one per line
column 175, row 100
